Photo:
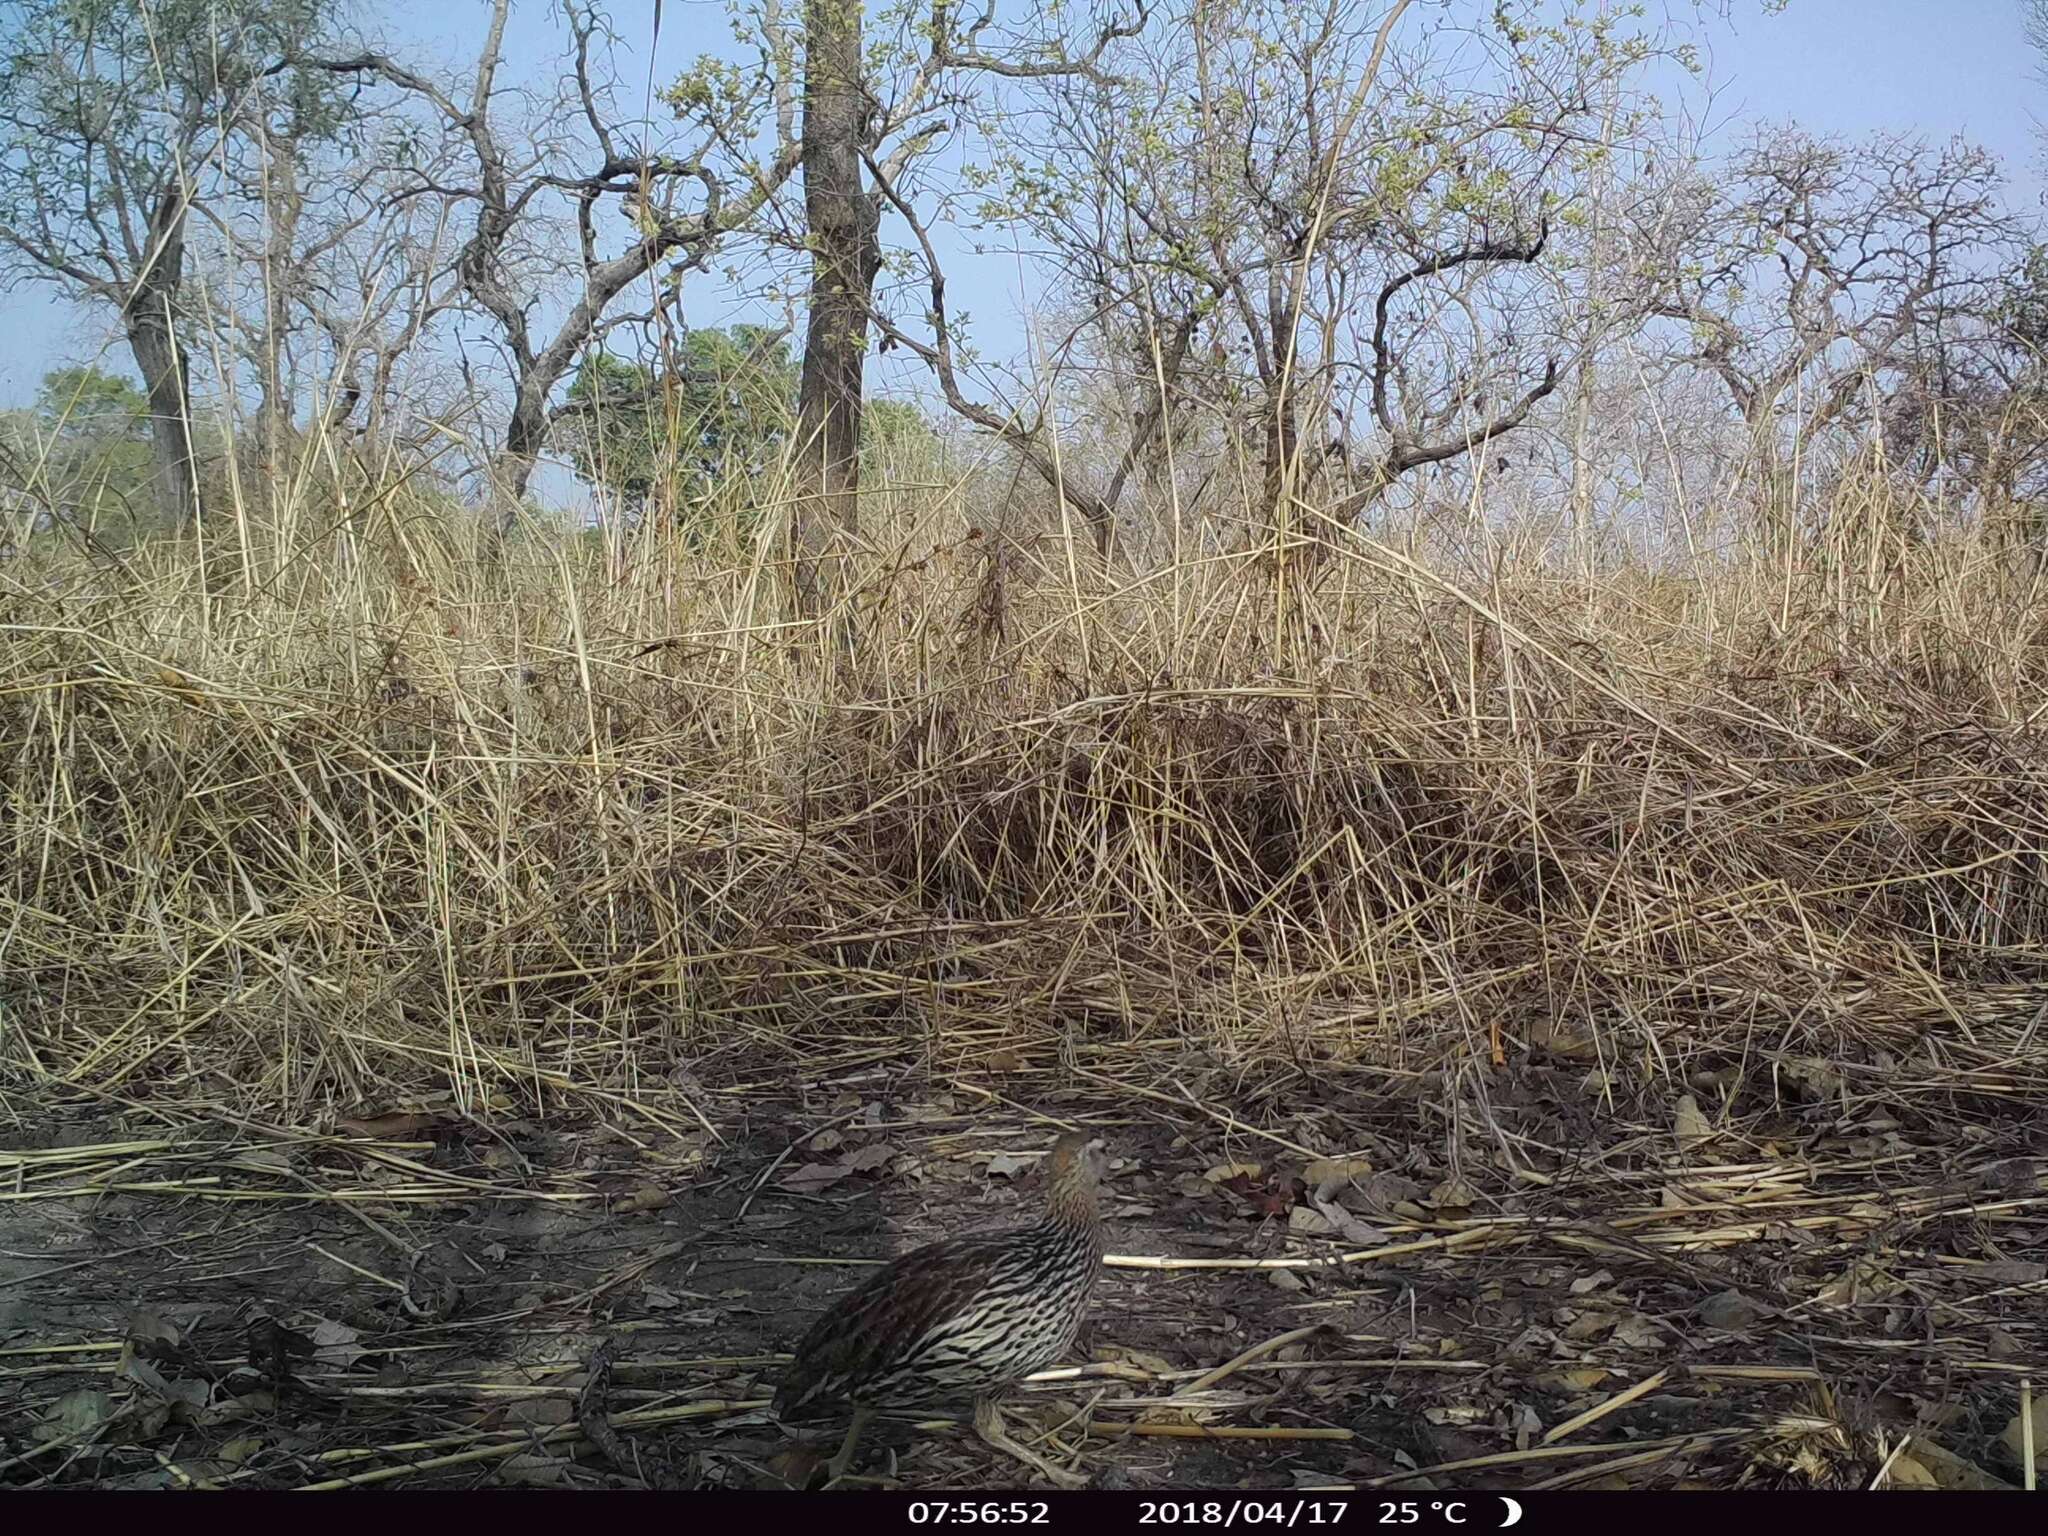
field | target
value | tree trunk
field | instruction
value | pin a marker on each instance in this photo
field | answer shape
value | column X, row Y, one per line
column 1282, row 467
column 165, row 379
column 285, row 202
column 166, row 373
column 513, row 465
column 845, row 255
column 1282, row 452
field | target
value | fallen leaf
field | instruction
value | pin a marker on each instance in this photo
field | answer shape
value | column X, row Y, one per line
column 145, row 1328
column 235, row 1452
column 1637, row 1332
column 541, row 1410
column 1729, row 1309
column 1007, row 1165
column 2011, row 1272
column 1953, row 1471
column 1223, row 1173
column 132, row 1367
column 532, row 1470
column 810, row 1178
column 1310, row 1223
column 1266, row 1203
column 826, row 1141
column 1348, row 1226
column 1864, row 1281
column 75, row 1415
column 646, row 1196
column 335, row 1344
column 2000, row 1345
column 250, row 1405
column 866, row 1159
column 798, row 1466
column 1689, row 1126
column 187, row 1400
column 1387, row 1191
column 1812, row 1078
column 1585, row 1285
column 1577, row 1379
column 2014, row 1440
column 1308, row 1479
column 1286, row 1280
column 1905, row 1472
column 1452, row 1194
column 1327, row 1175
column 1156, row 1365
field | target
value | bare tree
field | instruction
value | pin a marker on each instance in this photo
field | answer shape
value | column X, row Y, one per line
column 872, row 115
column 676, row 208
column 1831, row 289
column 1286, row 216
column 117, row 121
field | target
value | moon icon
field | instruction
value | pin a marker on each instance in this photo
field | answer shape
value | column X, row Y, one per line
column 1514, row 1511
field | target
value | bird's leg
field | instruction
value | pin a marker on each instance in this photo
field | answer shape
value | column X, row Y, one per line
column 838, row 1464
column 988, row 1423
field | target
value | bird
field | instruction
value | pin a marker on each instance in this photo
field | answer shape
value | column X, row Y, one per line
column 967, row 1316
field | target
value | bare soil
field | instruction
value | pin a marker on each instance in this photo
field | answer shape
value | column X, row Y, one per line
column 1512, row 1284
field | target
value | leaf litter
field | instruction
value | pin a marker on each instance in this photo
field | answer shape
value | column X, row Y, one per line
column 1785, row 1304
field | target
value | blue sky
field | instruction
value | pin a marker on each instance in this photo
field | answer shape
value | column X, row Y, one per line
column 1935, row 67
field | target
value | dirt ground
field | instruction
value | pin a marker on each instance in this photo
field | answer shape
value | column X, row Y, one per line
column 1481, row 1278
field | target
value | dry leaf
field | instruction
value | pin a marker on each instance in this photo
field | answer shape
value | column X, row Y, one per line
column 1730, row 1309
column 1309, row 1223
column 866, row 1159
column 645, row 1197
column 2014, row 1441
column 1572, row 1381
column 2011, row 1272
column 1905, row 1472
column 1637, row 1332
column 1224, row 1171
column 1453, row 1194
column 1327, row 1175
column 1952, row 1471
column 1156, row 1365
column 810, row 1178
column 1865, row 1280
column 1690, row 1126
column 146, row 1328
column 1007, row 1165
column 75, row 1415
column 335, row 1344
column 1363, row 1233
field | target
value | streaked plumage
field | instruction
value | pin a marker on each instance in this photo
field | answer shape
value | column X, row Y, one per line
column 964, row 1317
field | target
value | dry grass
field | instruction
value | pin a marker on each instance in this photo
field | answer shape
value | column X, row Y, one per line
column 328, row 808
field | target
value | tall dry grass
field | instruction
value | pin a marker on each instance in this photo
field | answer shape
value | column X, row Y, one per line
column 331, row 804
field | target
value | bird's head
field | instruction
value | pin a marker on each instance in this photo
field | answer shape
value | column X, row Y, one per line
column 1080, row 1161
